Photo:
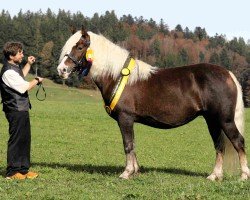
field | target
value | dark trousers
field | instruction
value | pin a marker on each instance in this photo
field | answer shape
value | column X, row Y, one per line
column 18, row 152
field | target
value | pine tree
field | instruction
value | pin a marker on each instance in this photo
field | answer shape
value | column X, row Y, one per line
column 214, row 58
column 224, row 59
column 163, row 28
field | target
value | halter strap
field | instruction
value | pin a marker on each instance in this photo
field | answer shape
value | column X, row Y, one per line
column 77, row 63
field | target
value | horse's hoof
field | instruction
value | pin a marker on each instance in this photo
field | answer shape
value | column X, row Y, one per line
column 244, row 176
column 214, row 177
column 125, row 175
column 211, row 177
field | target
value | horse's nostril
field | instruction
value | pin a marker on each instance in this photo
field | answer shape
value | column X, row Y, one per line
column 64, row 70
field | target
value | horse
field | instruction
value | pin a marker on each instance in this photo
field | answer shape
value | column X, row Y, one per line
column 136, row 92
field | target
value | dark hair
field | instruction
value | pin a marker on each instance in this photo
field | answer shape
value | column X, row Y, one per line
column 11, row 49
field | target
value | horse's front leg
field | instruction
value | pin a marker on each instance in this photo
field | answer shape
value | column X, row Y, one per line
column 125, row 123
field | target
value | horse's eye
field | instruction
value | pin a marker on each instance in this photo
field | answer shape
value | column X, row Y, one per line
column 79, row 48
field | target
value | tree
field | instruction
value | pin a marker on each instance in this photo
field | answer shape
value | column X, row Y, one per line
column 121, row 33
column 152, row 24
column 156, row 48
column 94, row 23
column 238, row 46
column 188, row 34
column 163, row 28
column 214, row 58
column 248, row 56
column 109, row 25
column 168, row 61
column 140, row 20
column 201, row 57
column 183, row 55
column 217, row 41
column 127, row 19
column 178, row 28
column 46, row 60
column 224, row 59
column 242, row 46
column 78, row 20
column 200, row 33
column 144, row 32
column 6, row 33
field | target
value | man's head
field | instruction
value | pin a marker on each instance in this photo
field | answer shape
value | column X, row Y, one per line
column 13, row 51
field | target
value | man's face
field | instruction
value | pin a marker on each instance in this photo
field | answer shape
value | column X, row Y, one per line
column 18, row 57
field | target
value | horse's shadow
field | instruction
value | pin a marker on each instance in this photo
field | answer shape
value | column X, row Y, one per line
column 115, row 170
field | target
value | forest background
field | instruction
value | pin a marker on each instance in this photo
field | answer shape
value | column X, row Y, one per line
column 44, row 34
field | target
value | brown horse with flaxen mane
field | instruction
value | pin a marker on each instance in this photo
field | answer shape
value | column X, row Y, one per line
column 134, row 91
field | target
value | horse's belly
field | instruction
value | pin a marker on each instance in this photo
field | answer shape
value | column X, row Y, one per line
column 166, row 122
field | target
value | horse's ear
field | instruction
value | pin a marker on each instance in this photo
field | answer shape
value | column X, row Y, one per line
column 73, row 29
column 84, row 32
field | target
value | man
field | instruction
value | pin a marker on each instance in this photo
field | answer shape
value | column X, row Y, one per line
column 16, row 105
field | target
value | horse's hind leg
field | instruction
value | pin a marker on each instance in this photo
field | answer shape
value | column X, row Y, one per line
column 125, row 123
column 237, row 140
column 215, row 132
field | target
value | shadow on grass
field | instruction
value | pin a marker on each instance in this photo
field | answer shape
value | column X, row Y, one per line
column 3, row 171
column 111, row 170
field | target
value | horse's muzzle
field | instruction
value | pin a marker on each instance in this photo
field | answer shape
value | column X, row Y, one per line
column 63, row 73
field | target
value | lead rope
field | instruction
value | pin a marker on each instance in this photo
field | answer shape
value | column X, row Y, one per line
column 40, row 85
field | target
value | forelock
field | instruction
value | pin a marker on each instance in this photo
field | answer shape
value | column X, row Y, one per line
column 69, row 44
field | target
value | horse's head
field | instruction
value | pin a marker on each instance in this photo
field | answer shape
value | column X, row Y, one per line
column 78, row 59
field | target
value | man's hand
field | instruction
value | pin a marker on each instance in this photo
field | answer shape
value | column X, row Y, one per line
column 31, row 60
column 26, row 68
column 39, row 79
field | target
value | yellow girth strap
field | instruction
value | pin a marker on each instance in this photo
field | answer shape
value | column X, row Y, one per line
column 125, row 72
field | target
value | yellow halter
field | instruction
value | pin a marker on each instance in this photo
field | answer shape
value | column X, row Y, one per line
column 121, row 83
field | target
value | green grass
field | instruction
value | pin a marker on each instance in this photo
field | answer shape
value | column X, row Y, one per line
column 77, row 150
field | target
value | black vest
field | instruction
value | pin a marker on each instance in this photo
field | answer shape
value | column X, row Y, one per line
column 11, row 99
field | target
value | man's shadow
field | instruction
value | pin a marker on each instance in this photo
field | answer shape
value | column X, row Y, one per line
column 115, row 170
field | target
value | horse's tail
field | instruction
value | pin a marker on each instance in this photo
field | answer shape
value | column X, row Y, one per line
column 239, row 109
column 231, row 159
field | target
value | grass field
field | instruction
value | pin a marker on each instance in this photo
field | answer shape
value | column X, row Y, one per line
column 77, row 149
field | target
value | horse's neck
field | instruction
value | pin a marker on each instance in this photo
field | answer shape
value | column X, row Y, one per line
column 105, row 85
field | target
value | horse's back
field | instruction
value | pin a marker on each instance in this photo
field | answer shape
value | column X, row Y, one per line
column 205, row 80
column 201, row 80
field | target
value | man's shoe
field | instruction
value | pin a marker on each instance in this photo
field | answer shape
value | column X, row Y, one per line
column 16, row 176
column 31, row 175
